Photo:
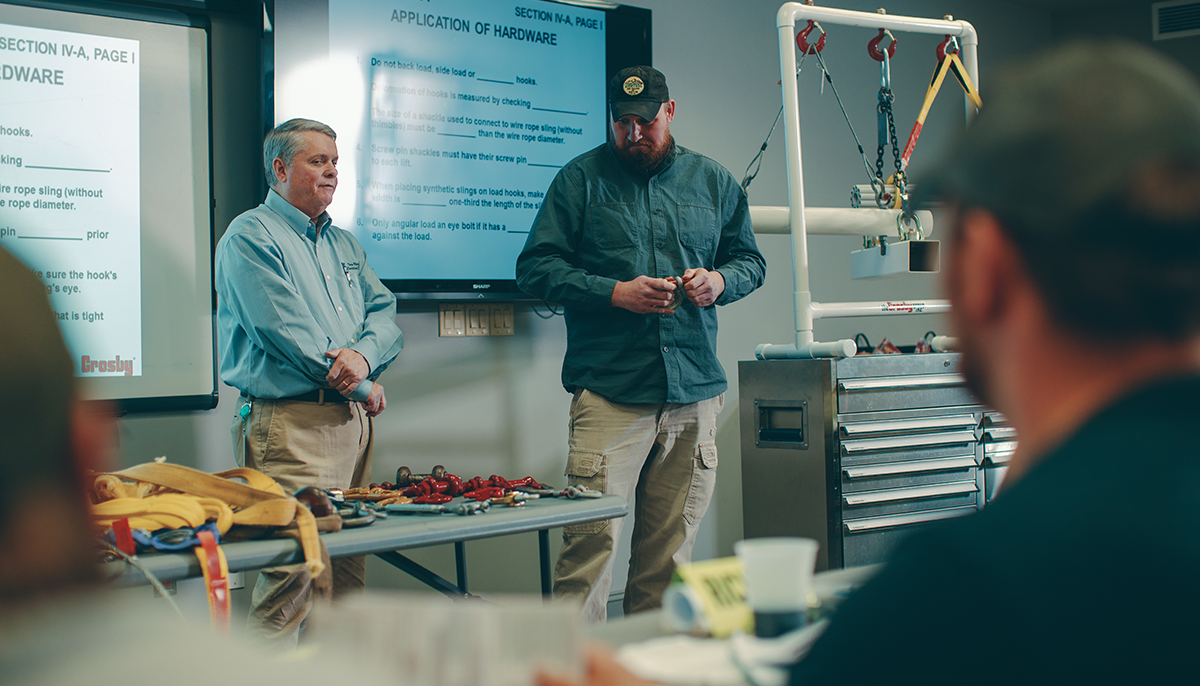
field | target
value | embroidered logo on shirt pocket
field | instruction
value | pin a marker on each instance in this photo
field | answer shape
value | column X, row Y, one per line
column 587, row 468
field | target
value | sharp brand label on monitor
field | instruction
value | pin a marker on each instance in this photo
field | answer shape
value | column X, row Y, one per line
column 452, row 121
column 70, row 184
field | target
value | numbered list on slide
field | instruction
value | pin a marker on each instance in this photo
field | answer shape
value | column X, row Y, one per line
column 69, row 185
column 471, row 109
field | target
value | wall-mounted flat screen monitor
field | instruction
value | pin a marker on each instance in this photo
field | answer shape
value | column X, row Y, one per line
column 452, row 118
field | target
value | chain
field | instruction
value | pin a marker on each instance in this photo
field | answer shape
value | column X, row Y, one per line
column 887, row 133
column 886, row 124
column 900, row 180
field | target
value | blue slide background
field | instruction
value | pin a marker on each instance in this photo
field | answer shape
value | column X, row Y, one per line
column 467, row 110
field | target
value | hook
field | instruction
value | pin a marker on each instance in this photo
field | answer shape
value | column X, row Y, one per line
column 944, row 48
column 873, row 46
column 909, row 224
column 802, row 39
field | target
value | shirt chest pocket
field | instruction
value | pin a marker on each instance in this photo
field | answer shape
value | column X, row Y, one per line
column 613, row 225
column 697, row 227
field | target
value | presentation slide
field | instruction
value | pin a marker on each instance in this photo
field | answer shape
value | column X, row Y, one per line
column 69, row 173
column 105, row 193
column 452, row 119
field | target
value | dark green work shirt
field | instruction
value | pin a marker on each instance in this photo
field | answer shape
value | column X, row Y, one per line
column 600, row 224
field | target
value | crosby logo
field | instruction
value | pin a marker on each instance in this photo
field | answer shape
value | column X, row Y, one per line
column 633, row 85
column 88, row 365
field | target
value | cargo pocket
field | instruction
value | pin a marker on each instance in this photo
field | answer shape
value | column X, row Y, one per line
column 704, row 481
column 587, row 468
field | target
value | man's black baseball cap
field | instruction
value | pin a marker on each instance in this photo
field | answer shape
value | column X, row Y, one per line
column 639, row 91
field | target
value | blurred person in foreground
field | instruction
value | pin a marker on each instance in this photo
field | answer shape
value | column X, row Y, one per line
column 1074, row 205
column 57, row 624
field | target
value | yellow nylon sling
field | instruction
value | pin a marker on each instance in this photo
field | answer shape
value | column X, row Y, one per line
column 259, row 502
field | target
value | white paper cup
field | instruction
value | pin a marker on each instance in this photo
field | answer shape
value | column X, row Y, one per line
column 778, row 576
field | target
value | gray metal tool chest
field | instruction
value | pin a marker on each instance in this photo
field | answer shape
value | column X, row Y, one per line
column 856, row 453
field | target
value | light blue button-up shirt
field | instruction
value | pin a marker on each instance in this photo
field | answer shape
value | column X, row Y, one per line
column 288, row 290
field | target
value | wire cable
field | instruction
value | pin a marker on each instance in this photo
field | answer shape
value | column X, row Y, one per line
column 553, row 312
column 749, row 176
column 137, row 564
column 758, row 158
column 861, row 152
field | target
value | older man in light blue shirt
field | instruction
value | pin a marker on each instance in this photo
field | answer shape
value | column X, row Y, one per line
column 306, row 329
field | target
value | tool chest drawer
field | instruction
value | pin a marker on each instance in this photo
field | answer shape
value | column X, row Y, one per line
column 872, row 539
column 864, row 426
column 872, row 383
column 902, row 392
column 884, row 501
column 909, row 443
column 904, row 473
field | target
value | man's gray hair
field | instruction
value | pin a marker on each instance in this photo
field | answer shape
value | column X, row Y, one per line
column 284, row 141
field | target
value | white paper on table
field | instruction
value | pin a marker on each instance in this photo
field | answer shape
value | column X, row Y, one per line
column 739, row 660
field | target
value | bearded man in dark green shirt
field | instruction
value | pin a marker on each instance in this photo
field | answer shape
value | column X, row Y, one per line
column 639, row 239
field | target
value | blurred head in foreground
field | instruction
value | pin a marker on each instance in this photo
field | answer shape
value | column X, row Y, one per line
column 1087, row 161
column 47, row 438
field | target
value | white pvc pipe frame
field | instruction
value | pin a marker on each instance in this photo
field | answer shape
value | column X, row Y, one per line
column 806, row 311
column 834, row 221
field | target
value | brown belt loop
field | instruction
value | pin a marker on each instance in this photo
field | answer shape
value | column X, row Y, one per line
column 320, row 396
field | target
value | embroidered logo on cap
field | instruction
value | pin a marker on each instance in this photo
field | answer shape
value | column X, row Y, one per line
column 633, row 85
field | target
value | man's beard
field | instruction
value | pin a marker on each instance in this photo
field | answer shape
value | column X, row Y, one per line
column 642, row 159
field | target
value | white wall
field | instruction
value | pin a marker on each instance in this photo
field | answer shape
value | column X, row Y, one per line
column 483, row 406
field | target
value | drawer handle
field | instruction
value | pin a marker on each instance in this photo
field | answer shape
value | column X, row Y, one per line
column 893, row 521
column 997, row 459
column 964, row 421
column 901, row 382
column 1001, row 433
column 892, row 495
column 909, row 467
column 999, row 446
column 901, row 442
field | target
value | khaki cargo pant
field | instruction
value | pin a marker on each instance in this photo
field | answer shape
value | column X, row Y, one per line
column 667, row 456
column 302, row 444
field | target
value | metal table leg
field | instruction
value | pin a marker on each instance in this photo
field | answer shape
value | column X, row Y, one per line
column 423, row 575
column 544, row 559
column 460, row 564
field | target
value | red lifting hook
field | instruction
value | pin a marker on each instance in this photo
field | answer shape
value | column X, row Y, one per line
column 942, row 50
column 802, row 40
column 873, row 46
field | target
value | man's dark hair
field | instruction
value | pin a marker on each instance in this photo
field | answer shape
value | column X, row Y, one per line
column 35, row 390
column 1089, row 155
column 37, row 460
